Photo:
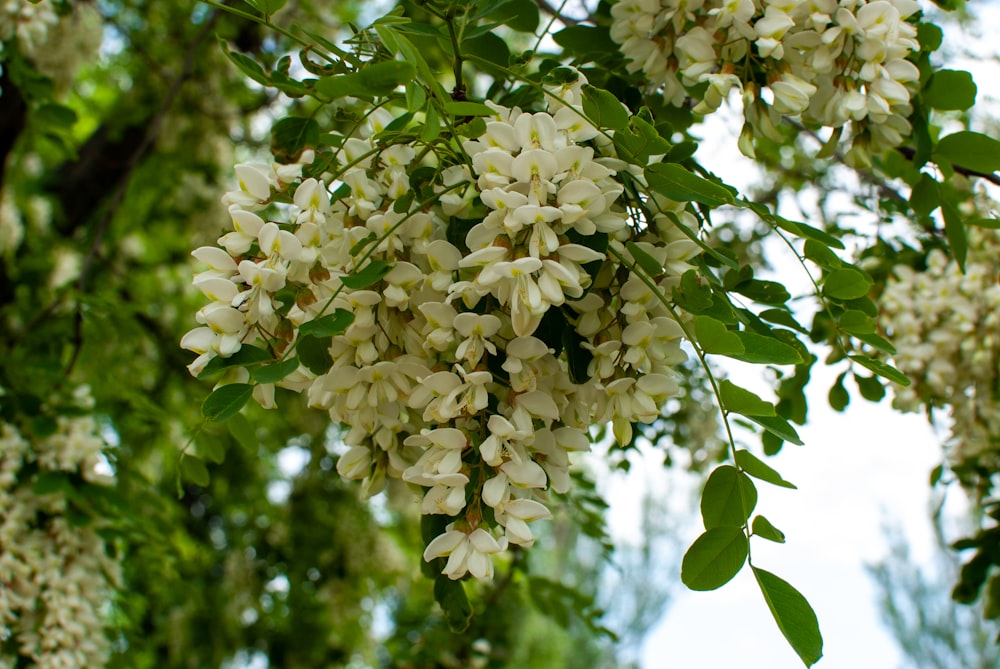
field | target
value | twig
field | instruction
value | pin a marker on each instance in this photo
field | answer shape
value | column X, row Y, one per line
column 549, row 9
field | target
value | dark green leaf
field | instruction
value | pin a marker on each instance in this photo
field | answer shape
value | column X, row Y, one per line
column 954, row 230
column 247, row 65
column 795, row 618
column 763, row 528
column 882, row 369
column 650, row 265
column 195, row 471
column 490, row 49
column 245, row 357
column 877, row 342
column 692, row 294
column 226, row 401
column 329, row 325
column 369, row 275
column 971, row 150
column 714, row 337
column 211, row 448
column 924, row 197
column 291, row 135
column 930, row 36
column 766, row 292
column 950, row 90
column 520, row 15
column 243, row 432
column 779, row 427
column 983, row 222
column 728, row 499
column 714, row 558
column 764, row 350
column 58, row 117
column 276, row 372
column 266, row 7
column 604, row 109
column 743, row 401
column 678, row 183
column 838, row 396
column 47, row 483
column 846, row 284
column 782, row 317
column 586, row 40
column 450, row 595
column 870, row 387
column 314, row 353
column 578, row 358
column 759, row 469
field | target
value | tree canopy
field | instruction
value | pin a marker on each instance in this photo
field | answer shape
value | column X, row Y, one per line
column 309, row 312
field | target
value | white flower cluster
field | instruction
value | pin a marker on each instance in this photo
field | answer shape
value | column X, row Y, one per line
column 829, row 62
column 500, row 333
column 29, row 22
column 946, row 328
column 56, row 577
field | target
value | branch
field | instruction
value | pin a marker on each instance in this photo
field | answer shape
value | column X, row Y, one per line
column 552, row 11
column 909, row 152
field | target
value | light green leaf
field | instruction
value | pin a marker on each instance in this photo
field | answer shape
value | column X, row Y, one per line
column 728, row 499
column 266, row 7
column 246, row 65
column 714, row 558
column 226, row 401
column 742, row 401
column 369, row 275
column 971, row 150
column 758, row 469
column 678, row 183
column 782, row 317
column 882, row 369
column 856, row 322
column 763, row 528
column 846, row 284
column 194, row 470
column 795, row 617
column 376, row 79
column 604, row 109
column 467, row 108
column 329, row 325
column 779, row 427
column 950, row 90
column 714, row 337
column 763, row 350
column 277, row 371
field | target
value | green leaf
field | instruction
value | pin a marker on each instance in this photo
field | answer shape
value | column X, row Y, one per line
column 47, row 483
column 246, row 65
column 983, row 222
column 765, row 292
column 764, row 350
column 930, row 36
column 714, row 558
column 782, row 317
column 402, row 46
column 924, row 197
column 742, row 401
column 369, row 275
column 194, row 470
column 432, row 126
column 954, row 230
column 650, row 265
column 795, row 618
column 838, row 396
column 586, row 40
column 276, row 372
column 971, row 150
column 519, row 15
column 678, row 183
column 329, row 325
column 450, row 595
column 882, row 369
column 291, row 135
column 856, row 322
column 243, row 432
column 758, row 469
column 266, row 7
column 211, row 448
column 822, row 255
column 376, row 79
column 314, row 353
column 642, row 142
column 870, row 387
column 846, row 284
column 245, row 357
column 779, row 427
column 950, row 90
column 57, row 117
column 714, row 337
column 489, row 49
column 466, row 108
column 763, row 528
column 604, row 109
column 728, row 499
column 226, row 401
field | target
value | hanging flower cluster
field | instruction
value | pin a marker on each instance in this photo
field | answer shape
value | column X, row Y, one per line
column 946, row 326
column 56, row 576
column 28, row 22
column 487, row 327
column 831, row 63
